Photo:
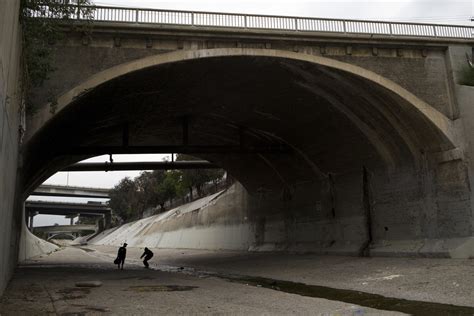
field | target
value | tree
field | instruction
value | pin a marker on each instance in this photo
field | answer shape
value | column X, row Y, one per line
column 130, row 198
column 167, row 190
column 198, row 177
column 124, row 200
column 148, row 185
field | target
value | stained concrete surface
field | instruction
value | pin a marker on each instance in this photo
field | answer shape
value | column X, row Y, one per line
column 188, row 281
column 46, row 286
column 449, row 281
column 10, row 127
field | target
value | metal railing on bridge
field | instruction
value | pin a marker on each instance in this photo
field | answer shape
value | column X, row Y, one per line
column 265, row 22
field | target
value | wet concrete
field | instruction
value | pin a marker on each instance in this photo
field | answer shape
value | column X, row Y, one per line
column 161, row 288
column 446, row 281
column 356, row 297
column 412, row 307
column 185, row 281
column 45, row 286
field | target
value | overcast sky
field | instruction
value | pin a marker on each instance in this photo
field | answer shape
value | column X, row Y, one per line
column 423, row 11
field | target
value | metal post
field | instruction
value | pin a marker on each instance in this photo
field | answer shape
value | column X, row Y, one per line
column 245, row 21
column 192, row 18
column 296, row 24
column 136, row 15
column 434, row 31
column 344, row 26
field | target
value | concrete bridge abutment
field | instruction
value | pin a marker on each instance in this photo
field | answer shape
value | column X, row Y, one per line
column 11, row 111
column 379, row 128
column 379, row 133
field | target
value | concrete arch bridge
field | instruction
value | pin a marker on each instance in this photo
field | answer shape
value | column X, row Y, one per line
column 64, row 231
column 344, row 141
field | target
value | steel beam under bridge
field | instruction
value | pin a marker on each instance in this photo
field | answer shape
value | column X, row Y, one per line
column 145, row 165
column 179, row 149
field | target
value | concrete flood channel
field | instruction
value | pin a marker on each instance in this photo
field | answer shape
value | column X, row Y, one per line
column 365, row 299
column 355, row 297
column 348, row 296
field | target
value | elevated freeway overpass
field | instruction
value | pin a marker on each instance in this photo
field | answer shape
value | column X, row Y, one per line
column 95, row 209
column 70, row 191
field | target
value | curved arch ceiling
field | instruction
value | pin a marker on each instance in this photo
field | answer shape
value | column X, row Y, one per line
column 334, row 121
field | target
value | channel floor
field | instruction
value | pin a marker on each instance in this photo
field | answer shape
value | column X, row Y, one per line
column 224, row 282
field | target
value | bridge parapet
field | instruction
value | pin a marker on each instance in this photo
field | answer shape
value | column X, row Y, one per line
column 269, row 22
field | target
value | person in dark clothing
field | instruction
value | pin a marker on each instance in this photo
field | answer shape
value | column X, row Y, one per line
column 148, row 255
column 122, row 253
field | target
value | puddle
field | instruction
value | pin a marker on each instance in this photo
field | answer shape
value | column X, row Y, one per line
column 355, row 297
column 365, row 299
column 92, row 308
column 126, row 278
column 161, row 288
column 73, row 293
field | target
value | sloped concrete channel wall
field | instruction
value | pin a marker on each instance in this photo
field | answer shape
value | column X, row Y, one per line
column 219, row 221
column 228, row 220
column 10, row 47
column 32, row 246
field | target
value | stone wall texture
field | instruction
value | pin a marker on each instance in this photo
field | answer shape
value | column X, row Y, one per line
column 10, row 98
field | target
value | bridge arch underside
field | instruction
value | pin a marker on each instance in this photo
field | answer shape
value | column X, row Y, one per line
column 68, row 236
column 358, row 153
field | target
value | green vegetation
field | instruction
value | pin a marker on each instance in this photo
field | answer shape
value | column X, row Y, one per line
column 130, row 198
column 467, row 77
column 41, row 32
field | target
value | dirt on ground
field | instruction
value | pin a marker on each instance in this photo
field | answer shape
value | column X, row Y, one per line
column 211, row 282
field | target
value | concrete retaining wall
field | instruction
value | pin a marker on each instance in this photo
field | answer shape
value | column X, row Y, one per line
column 10, row 50
column 234, row 220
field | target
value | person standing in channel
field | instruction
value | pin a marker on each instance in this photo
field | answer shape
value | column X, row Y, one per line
column 148, row 255
column 122, row 253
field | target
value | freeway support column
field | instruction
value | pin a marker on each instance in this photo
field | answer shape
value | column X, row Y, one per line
column 107, row 221
column 31, row 216
column 100, row 225
column 71, row 218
